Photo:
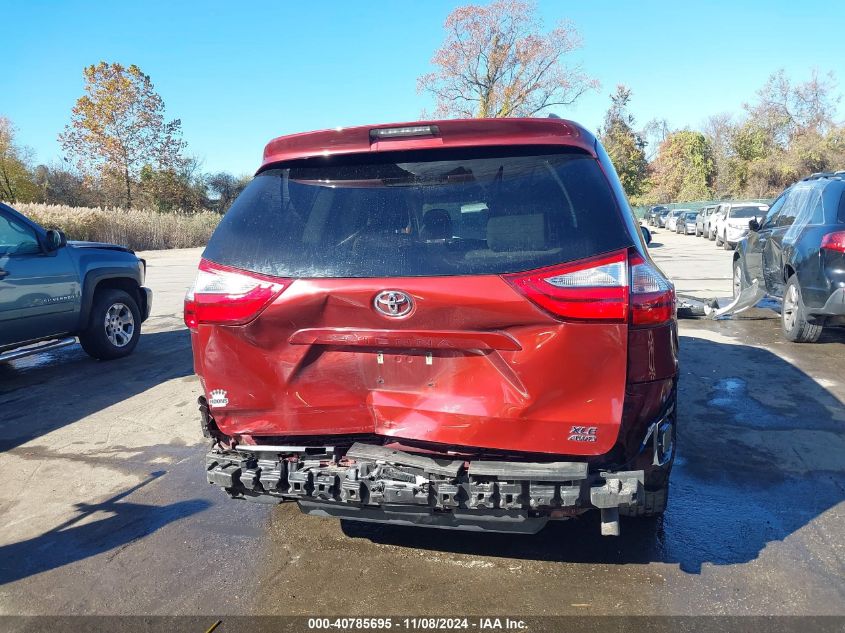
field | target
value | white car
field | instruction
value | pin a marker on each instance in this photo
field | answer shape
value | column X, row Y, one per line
column 717, row 215
column 672, row 220
column 732, row 224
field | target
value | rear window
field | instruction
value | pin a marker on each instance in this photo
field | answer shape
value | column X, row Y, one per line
column 420, row 214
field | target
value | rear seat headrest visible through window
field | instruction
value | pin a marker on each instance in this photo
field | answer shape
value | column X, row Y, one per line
column 436, row 225
column 517, row 233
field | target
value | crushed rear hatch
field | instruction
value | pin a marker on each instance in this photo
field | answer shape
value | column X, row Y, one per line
column 466, row 298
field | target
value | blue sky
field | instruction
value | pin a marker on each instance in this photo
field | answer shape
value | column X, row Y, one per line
column 238, row 74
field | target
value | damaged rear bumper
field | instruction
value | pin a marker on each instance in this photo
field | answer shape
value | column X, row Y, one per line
column 376, row 484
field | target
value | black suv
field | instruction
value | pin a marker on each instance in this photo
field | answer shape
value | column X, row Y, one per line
column 798, row 254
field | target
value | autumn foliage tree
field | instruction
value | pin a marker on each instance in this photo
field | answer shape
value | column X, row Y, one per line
column 118, row 127
column 16, row 183
column 684, row 168
column 497, row 62
column 788, row 131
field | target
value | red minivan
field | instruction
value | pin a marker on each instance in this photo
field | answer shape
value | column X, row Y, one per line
column 449, row 324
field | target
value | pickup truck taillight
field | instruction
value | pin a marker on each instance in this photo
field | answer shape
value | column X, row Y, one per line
column 228, row 296
column 619, row 287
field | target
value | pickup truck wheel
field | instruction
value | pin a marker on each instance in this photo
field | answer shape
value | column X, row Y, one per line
column 114, row 326
column 793, row 316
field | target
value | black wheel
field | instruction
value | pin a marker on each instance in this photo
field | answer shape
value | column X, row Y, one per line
column 727, row 245
column 718, row 240
column 114, row 325
column 793, row 316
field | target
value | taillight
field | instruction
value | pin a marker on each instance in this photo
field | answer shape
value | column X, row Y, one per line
column 228, row 296
column 834, row 241
column 594, row 289
column 652, row 295
column 611, row 288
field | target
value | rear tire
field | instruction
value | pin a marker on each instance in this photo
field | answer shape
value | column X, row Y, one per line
column 718, row 240
column 114, row 325
column 727, row 245
column 793, row 316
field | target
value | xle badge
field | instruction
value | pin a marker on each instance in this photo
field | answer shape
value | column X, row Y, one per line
column 582, row 434
column 218, row 398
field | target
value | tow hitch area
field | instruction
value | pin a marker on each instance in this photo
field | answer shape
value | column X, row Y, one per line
column 374, row 483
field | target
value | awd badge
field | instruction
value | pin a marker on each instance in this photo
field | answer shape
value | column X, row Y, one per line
column 583, row 434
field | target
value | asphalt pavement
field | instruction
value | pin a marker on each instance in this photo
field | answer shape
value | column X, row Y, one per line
column 105, row 509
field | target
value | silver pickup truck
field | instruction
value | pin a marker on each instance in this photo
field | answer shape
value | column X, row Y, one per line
column 53, row 291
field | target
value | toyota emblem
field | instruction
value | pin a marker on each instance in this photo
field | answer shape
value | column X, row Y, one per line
column 393, row 303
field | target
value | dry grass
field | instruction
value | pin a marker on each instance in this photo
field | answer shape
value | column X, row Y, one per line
column 139, row 229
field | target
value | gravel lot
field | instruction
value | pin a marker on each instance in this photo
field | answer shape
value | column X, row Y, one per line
column 105, row 509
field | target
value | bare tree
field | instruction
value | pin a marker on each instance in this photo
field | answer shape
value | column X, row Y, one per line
column 720, row 131
column 497, row 62
column 786, row 109
column 654, row 133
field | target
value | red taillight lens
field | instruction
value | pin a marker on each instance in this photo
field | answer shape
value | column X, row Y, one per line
column 228, row 296
column 834, row 241
column 594, row 289
column 612, row 288
column 652, row 295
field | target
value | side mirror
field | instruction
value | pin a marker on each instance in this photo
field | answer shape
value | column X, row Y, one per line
column 646, row 235
column 55, row 239
column 753, row 224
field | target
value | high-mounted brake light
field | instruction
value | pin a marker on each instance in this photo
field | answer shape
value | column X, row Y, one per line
column 228, row 296
column 834, row 241
column 610, row 288
column 382, row 133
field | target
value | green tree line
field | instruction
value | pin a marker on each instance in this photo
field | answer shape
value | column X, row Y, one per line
column 788, row 131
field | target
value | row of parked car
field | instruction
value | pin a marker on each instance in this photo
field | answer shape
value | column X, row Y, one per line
column 725, row 223
column 793, row 250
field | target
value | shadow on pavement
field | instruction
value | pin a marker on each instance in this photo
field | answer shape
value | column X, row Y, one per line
column 71, row 542
column 49, row 391
column 761, row 454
